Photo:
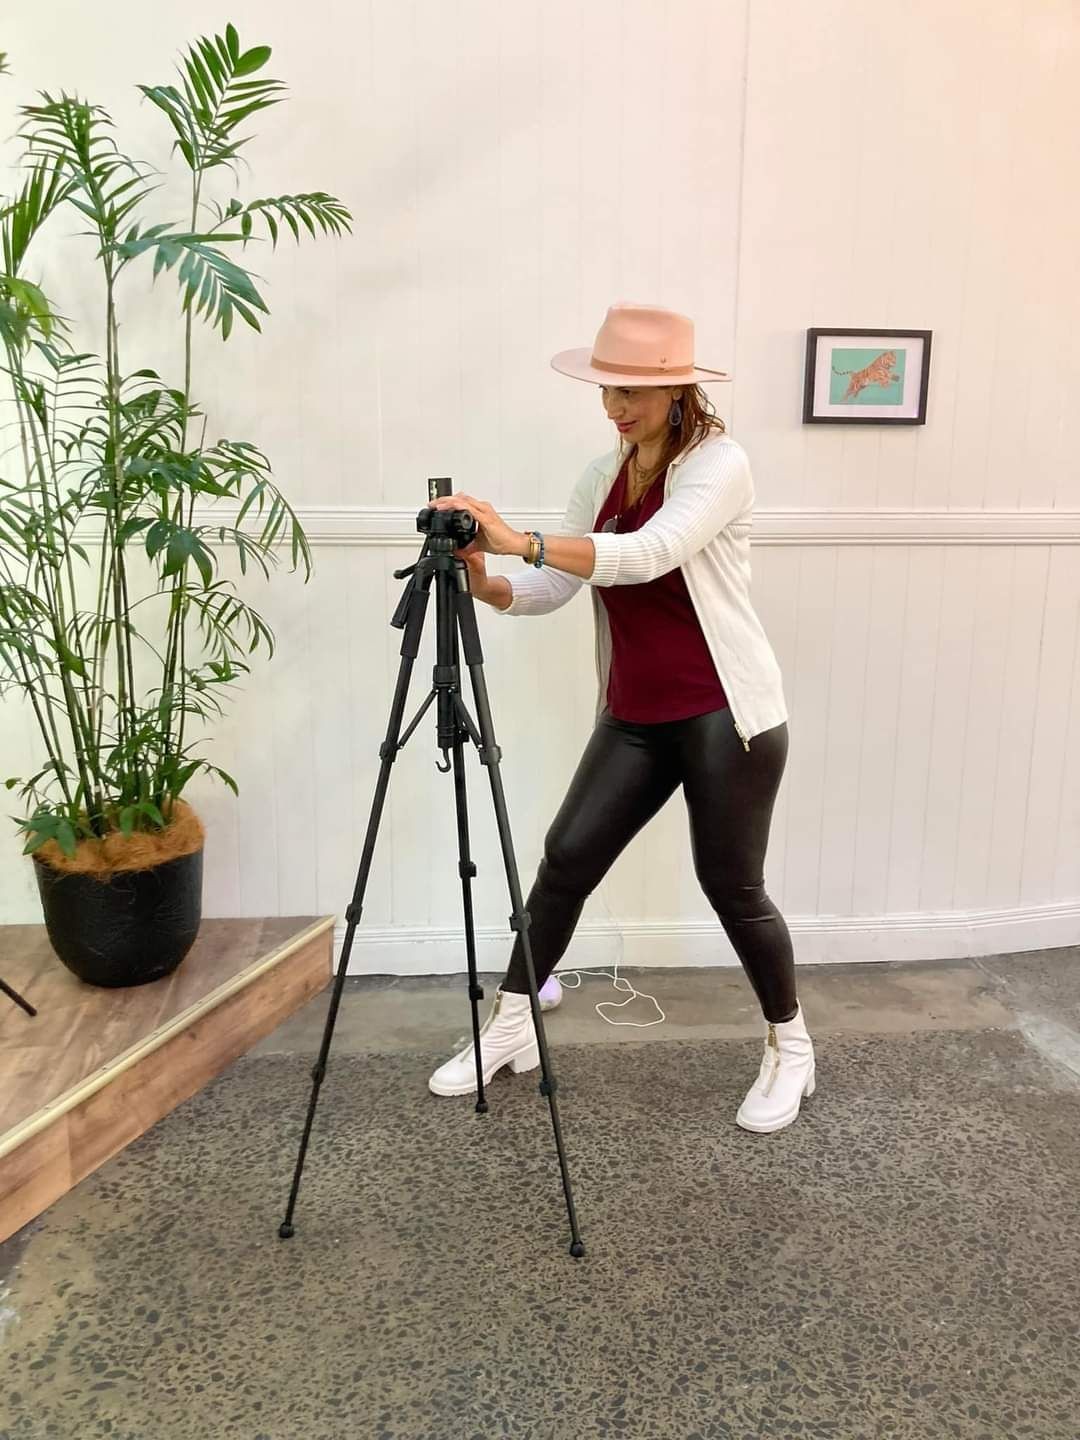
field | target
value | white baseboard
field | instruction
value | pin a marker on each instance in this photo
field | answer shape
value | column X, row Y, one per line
column 818, row 939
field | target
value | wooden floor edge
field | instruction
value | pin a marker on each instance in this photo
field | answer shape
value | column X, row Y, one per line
column 107, row 1073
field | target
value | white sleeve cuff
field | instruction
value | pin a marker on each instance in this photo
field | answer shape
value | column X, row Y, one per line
column 607, row 558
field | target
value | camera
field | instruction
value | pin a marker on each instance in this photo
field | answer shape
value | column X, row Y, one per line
column 459, row 525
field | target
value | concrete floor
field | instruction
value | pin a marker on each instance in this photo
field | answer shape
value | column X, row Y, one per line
column 384, row 1014
column 904, row 1261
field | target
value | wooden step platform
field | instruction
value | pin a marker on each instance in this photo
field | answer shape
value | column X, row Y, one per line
column 95, row 1068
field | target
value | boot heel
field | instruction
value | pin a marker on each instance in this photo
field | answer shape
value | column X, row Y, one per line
column 528, row 1059
column 811, row 1084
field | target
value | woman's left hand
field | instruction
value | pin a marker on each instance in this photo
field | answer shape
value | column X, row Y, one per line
column 494, row 535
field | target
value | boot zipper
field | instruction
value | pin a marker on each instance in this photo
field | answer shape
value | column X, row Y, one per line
column 774, row 1042
column 492, row 1014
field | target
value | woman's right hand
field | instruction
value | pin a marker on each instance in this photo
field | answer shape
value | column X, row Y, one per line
column 478, row 576
column 493, row 590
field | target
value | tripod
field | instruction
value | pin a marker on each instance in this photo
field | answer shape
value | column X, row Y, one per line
column 14, row 995
column 455, row 620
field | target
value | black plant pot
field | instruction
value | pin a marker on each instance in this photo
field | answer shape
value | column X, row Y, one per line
column 129, row 930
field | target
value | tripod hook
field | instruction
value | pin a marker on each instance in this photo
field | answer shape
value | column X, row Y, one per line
column 444, row 769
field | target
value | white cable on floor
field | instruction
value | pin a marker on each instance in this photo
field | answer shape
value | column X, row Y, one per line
column 620, row 982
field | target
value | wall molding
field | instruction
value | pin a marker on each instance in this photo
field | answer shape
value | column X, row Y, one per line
column 384, row 526
column 663, row 944
column 348, row 525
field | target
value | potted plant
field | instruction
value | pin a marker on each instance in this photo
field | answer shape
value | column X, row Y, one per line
column 120, row 626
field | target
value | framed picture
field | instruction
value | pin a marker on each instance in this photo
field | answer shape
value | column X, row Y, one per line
column 866, row 377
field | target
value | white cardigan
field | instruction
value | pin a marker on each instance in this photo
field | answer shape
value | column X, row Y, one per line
column 703, row 526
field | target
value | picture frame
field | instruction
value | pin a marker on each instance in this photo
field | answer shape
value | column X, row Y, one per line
column 872, row 377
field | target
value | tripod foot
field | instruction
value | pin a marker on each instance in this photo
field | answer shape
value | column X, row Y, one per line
column 285, row 1230
column 577, row 1249
column 481, row 1107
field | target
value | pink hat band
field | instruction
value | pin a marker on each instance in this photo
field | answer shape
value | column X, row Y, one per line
column 641, row 369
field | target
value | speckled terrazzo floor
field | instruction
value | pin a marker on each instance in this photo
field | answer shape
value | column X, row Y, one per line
column 903, row 1262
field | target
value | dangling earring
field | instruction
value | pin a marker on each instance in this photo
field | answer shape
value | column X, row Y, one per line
column 675, row 414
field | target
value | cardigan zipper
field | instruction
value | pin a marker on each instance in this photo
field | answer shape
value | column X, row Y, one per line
column 739, row 731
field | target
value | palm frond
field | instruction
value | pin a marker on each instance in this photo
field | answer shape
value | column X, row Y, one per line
column 211, row 282
column 72, row 135
column 315, row 208
column 46, row 187
column 214, row 98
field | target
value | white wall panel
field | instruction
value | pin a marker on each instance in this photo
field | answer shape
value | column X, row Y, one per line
column 514, row 168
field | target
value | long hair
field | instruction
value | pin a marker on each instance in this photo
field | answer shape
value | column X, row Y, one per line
column 699, row 419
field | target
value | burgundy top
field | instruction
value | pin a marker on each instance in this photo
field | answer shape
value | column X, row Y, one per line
column 661, row 668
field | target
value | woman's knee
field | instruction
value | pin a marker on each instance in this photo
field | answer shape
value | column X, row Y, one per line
column 564, row 866
column 738, row 902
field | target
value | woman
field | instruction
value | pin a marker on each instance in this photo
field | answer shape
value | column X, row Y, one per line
column 690, row 691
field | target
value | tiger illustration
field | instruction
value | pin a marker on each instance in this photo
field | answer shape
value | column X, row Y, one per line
column 879, row 372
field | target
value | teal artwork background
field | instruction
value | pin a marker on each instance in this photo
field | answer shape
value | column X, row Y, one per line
column 873, row 394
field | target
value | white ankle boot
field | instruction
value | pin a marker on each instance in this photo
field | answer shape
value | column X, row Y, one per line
column 507, row 1037
column 786, row 1075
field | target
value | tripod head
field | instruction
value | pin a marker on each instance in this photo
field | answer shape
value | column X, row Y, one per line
column 447, row 532
column 456, row 526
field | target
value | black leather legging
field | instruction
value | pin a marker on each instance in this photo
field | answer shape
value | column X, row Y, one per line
column 625, row 775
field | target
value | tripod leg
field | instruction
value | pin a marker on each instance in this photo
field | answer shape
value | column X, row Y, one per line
column 14, row 995
column 467, row 871
column 452, row 735
column 410, row 646
column 490, row 756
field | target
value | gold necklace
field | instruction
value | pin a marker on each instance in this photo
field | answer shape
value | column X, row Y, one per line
column 644, row 478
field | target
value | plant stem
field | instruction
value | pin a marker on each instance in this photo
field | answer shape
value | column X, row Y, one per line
column 177, row 616
column 47, row 722
column 53, row 593
column 95, row 803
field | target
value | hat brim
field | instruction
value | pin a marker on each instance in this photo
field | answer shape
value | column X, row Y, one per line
column 578, row 365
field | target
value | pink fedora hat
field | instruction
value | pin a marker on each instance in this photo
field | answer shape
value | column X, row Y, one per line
column 639, row 345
